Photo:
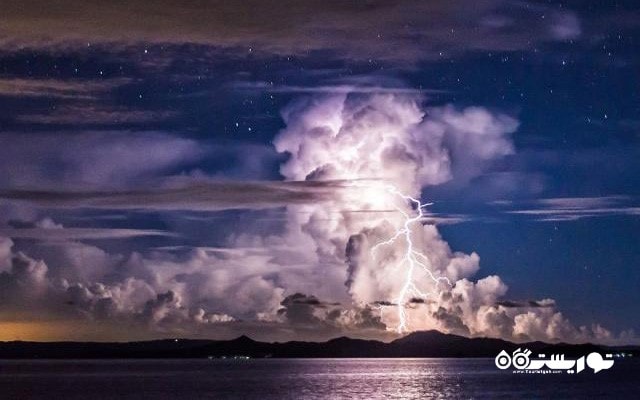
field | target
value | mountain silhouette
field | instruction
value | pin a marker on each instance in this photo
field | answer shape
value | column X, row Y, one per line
column 418, row 344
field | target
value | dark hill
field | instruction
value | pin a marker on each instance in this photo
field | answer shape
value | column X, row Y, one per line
column 417, row 344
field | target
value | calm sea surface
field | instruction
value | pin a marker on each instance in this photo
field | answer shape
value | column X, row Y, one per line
column 304, row 379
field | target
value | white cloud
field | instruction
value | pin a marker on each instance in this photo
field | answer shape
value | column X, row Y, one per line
column 358, row 144
column 575, row 208
column 380, row 139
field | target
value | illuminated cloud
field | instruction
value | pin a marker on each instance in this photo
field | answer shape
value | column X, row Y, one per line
column 391, row 139
column 343, row 150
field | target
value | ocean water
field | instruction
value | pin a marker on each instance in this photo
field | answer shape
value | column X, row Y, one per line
column 304, row 379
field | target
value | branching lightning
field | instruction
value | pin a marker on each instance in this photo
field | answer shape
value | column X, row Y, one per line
column 412, row 259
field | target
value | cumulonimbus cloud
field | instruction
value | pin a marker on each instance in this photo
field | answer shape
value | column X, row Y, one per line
column 344, row 151
column 391, row 138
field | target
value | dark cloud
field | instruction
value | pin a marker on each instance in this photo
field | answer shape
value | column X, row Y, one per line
column 332, row 89
column 451, row 321
column 76, row 89
column 299, row 298
column 400, row 30
column 526, row 304
column 90, row 115
column 308, row 310
column 300, row 309
column 160, row 308
column 191, row 195
column 62, row 234
column 355, row 248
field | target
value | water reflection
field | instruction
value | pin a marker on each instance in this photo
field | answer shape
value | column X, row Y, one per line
column 301, row 379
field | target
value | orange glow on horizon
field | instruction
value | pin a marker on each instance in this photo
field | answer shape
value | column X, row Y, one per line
column 70, row 331
column 34, row 330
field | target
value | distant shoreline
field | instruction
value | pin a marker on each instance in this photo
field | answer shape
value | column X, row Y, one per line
column 428, row 344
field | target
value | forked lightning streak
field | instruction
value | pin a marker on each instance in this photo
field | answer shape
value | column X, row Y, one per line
column 412, row 258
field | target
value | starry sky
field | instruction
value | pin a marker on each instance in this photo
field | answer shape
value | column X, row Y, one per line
column 187, row 168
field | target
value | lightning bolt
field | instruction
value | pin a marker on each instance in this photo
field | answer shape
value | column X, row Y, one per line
column 412, row 260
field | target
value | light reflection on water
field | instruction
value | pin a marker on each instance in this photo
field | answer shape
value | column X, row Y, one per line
column 302, row 379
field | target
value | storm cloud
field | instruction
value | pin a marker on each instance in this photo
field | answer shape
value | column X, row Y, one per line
column 343, row 152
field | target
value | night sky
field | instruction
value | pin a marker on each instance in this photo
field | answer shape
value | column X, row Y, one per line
column 212, row 169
